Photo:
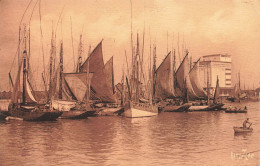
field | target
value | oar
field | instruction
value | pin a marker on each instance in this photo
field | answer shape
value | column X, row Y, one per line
column 250, row 125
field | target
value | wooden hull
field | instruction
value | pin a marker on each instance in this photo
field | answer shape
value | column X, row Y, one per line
column 173, row 108
column 111, row 111
column 198, row 108
column 242, row 130
column 33, row 114
column 214, row 107
column 235, row 111
column 76, row 114
column 2, row 116
column 139, row 110
column 62, row 105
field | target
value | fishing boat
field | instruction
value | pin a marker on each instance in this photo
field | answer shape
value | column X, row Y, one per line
column 175, row 108
column 164, row 86
column 209, row 106
column 73, row 90
column 212, row 107
column 28, row 109
column 242, row 129
column 138, row 105
column 102, row 83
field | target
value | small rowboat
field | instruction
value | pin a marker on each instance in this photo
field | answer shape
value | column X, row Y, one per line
column 242, row 130
column 231, row 109
column 236, row 111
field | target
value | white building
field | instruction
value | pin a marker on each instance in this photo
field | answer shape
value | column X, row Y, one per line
column 213, row 66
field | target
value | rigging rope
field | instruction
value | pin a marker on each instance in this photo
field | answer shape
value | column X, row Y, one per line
column 19, row 32
column 44, row 73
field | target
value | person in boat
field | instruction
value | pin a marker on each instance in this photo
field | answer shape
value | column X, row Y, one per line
column 245, row 108
column 245, row 122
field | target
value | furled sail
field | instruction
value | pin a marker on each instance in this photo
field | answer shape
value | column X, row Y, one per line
column 164, row 87
column 15, row 92
column 195, row 82
column 110, row 73
column 101, row 86
column 217, row 91
column 78, row 84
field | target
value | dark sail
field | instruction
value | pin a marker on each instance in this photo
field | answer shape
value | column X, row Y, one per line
column 217, row 91
column 110, row 73
column 101, row 86
column 96, row 62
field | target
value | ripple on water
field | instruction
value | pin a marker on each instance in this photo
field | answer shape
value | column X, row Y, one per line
column 194, row 138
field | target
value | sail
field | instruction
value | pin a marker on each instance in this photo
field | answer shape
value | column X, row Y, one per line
column 95, row 59
column 195, row 82
column 217, row 91
column 29, row 94
column 190, row 89
column 164, row 87
column 77, row 83
column 15, row 93
column 101, row 86
column 181, row 74
column 110, row 73
column 183, row 83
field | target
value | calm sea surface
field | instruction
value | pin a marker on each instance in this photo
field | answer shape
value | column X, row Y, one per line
column 194, row 138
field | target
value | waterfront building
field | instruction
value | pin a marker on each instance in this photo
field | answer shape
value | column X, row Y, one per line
column 213, row 66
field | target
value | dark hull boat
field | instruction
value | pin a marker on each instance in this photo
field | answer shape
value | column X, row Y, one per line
column 236, row 111
column 173, row 108
column 213, row 107
column 32, row 113
column 27, row 108
column 2, row 116
column 77, row 114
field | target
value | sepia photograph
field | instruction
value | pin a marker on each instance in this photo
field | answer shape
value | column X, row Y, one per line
column 129, row 82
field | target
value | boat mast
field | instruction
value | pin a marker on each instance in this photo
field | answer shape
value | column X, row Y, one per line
column 80, row 50
column 19, row 61
column 24, row 67
column 239, row 87
column 137, row 57
column 61, row 70
column 50, row 70
column 154, row 69
column 24, row 75
column 88, row 81
column 208, row 82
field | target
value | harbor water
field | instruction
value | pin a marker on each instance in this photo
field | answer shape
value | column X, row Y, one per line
column 192, row 138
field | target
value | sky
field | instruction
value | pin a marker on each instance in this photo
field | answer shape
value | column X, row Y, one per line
column 203, row 27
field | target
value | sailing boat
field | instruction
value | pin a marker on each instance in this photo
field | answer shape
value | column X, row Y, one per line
column 73, row 96
column 165, row 85
column 28, row 109
column 216, row 105
column 102, row 83
column 137, row 106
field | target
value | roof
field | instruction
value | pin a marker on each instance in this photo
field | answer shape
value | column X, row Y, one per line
column 222, row 55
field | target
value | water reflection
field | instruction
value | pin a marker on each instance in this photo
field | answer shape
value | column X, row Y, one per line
column 171, row 138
